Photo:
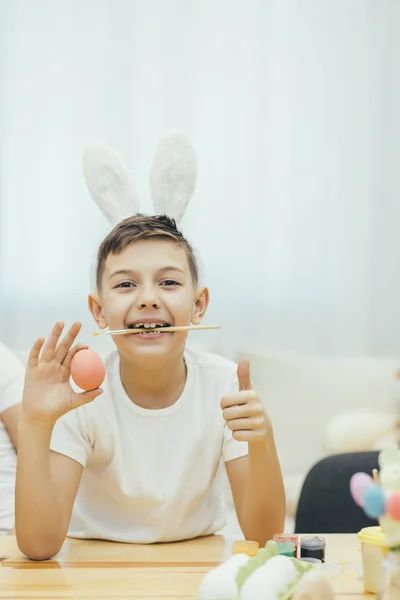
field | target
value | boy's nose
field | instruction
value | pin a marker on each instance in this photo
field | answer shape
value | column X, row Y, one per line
column 147, row 296
column 147, row 304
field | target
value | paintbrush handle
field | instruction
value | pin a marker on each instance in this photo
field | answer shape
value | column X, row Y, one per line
column 170, row 329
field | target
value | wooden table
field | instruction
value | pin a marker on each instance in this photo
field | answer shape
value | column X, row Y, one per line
column 98, row 570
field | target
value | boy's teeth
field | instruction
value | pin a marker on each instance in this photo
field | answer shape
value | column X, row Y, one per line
column 148, row 325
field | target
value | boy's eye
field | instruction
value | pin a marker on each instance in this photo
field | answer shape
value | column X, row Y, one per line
column 169, row 282
column 125, row 284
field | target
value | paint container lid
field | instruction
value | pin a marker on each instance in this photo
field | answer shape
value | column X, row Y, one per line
column 284, row 537
column 372, row 535
column 311, row 560
column 245, row 547
column 313, row 543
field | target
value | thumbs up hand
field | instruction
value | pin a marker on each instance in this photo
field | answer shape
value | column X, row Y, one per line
column 243, row 410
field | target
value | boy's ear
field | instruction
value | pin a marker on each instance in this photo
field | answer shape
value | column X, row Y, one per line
column 96, row 309
column 200, row 305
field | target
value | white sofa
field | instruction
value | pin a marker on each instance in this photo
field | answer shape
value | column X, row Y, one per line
column 323, row 405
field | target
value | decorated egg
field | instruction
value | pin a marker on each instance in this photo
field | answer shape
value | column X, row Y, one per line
column 220, row 583
column 313, row 586
column 392, row 508
column 389, row 474
column 271, row 580
column 374, row 501
column 87, row 370
column 358, row 484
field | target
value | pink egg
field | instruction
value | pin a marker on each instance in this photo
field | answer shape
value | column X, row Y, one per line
column 87, row 370
column 358, row 484
column 392, row 507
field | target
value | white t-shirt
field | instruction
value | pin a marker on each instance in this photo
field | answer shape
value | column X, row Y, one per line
column 152, row 475
column 12, row 375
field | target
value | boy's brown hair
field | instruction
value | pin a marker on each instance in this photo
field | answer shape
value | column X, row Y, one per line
column 141, row 227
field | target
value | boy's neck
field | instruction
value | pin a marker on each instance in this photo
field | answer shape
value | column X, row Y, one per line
column 155, row 384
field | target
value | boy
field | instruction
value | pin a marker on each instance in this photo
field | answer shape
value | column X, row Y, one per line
column 141, row 459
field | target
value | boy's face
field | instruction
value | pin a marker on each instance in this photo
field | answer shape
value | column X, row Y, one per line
column 149, row 282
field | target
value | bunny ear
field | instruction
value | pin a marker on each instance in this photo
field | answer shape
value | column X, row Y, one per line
column 173, row 176
column 110, row 182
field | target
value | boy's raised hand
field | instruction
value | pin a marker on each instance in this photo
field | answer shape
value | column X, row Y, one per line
column 47, row 392
column 243, row 411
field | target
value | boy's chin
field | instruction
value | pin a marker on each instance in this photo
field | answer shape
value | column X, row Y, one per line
column 152, row 349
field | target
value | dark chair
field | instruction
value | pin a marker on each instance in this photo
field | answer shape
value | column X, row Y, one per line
column 325, row 504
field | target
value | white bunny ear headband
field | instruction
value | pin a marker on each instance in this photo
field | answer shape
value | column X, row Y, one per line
column 172, row 182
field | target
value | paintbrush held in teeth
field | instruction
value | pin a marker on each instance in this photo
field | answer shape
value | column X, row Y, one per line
column 163, row 329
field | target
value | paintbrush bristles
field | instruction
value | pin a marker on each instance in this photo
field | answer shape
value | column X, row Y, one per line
column 375, row 476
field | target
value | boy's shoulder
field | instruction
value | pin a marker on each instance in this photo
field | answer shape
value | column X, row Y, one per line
column 209, row 364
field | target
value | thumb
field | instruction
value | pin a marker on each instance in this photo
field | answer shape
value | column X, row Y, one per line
column 243, row 374
column 86, row 397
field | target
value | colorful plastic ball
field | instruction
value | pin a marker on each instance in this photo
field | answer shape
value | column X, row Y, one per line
column 374, row 501
column 358, row 484
column 392, row 508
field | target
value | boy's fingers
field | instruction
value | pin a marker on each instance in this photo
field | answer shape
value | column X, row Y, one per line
column 237, row 398
column 238, row 412
column 68, row 359
column 241, row 436
column 244, row 435
column 240, row 425
column 65, row 344
column 51, row 343
column 33, row 358
column 86, row 397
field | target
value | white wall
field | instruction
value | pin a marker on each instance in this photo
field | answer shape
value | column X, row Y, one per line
column 293, row 109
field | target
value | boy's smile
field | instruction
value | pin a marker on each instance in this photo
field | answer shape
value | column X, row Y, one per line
column 148, row 325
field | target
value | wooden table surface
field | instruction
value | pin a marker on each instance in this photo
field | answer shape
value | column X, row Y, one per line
column 97, row 570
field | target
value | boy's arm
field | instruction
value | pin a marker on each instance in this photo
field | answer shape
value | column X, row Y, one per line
column 258, row 492
column 46, row 487
column 256, row 479
column 46, row 482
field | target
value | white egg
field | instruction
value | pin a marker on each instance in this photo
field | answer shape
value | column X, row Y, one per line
column 220, row 583
column 313, row 586
column 267, row 581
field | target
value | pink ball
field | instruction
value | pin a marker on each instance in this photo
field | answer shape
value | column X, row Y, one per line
column 358, row 484
column 392, row 507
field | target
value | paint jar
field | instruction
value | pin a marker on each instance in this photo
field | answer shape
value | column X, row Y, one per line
column 287, row 548
column 313, row 547
column 389, row 583
column 245, row 547
column 314, row 561
column 280, row 538
column 373, row 551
